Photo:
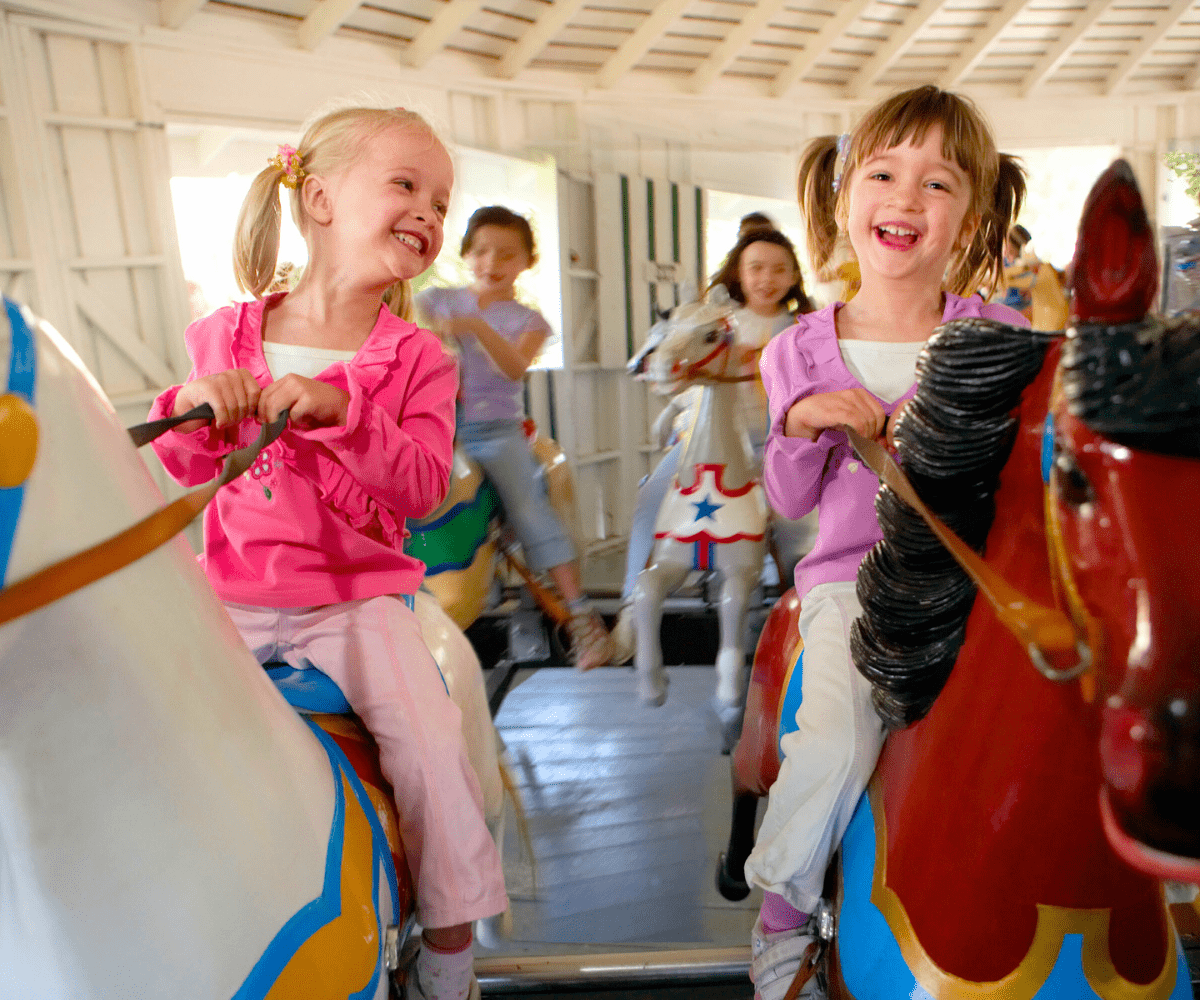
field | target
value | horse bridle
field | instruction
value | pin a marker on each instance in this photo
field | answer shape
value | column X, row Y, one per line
column 1037, row 628
column 75, row 572
column 695, row 370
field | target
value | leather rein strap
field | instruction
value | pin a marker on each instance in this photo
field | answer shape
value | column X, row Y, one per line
column 1039, row 629
column 68, row 575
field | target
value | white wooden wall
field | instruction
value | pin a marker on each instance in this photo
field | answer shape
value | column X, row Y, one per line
column 87, row 234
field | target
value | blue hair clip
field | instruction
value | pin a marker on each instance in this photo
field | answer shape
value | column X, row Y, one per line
column 843, row 148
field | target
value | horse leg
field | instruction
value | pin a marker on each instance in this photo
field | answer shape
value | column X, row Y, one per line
column 731, row 871
column 653, row 585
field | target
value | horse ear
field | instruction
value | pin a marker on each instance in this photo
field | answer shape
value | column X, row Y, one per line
column 1116, row 269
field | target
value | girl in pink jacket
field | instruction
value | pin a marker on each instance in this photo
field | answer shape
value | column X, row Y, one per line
column 306, row 549
column 919, row 196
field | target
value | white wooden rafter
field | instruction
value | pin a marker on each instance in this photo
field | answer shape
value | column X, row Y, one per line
column 895, row 47
column 1061, row 50
column 323, row 20
column 848, row 11
column 639, row 43
column 174, row 13
column 1192, row 80
column 981, row 44
column 538, row 36
column 1165, row 24
column 437, row 32
column 727, row 51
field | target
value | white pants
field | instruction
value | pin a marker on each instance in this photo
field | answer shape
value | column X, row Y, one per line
column 829, row 758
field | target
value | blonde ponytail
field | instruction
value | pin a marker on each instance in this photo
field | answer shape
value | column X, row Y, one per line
column 256, row 240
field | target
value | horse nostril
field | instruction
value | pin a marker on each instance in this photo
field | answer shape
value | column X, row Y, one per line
column 1126, row 737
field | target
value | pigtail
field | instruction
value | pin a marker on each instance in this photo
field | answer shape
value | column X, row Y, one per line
column 399, row 299
column 981, row 267
column 256, row 240
column 818, row 201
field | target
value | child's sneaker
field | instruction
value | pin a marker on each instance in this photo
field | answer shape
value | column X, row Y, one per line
column 776, row 958
column 589, row 640
column 622, row 640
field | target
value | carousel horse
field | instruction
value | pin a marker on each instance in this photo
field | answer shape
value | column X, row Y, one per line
column 1014, row 837
column 168, row 822
column 714, row 516
column 462, row 543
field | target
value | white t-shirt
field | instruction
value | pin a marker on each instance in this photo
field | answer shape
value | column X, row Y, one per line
column 293, row 359
column 886, row 369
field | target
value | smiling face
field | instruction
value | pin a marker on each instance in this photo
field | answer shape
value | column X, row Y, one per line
column 388, row 206
column 765, row 272
column 907, row 214
column 497, row 257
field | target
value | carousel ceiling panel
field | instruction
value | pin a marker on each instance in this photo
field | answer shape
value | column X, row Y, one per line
column 844, row 48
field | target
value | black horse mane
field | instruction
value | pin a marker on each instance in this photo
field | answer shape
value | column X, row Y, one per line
column 954, row 437
column 1138, row 384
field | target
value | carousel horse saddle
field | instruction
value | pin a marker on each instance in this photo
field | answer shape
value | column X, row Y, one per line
column 308, row 690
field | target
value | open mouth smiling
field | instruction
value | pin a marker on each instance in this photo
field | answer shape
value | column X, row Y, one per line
column 418, row 244
column 897, row 235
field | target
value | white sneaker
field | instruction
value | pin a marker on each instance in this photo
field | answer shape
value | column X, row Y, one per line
column 622, row 640
column 776, row 959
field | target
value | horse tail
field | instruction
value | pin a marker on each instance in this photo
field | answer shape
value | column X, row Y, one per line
column 511, row 790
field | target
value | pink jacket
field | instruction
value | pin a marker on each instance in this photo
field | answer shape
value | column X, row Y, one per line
column 319, row 519
column 799, row 474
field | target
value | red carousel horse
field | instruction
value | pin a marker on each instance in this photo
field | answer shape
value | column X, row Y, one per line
column 1014, row 835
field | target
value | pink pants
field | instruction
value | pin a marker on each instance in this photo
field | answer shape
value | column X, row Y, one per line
column 373, row 650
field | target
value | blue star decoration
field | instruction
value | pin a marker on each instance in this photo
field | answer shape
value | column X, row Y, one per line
column 706, row 508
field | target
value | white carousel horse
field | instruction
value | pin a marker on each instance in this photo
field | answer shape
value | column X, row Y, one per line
column 714, row 516
column 169, row 825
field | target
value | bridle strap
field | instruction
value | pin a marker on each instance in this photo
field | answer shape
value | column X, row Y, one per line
column 695, row 369
column 1039, row 629
column 75, row 572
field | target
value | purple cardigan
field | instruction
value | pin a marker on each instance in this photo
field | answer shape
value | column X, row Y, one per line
column 800, row 474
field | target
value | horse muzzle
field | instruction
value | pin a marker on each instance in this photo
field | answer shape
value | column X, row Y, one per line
column 1150, row 801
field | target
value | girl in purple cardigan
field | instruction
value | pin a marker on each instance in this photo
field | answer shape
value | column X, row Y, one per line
column 923, row 200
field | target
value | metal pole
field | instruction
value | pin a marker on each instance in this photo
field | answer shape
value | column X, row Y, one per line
column 614, row 970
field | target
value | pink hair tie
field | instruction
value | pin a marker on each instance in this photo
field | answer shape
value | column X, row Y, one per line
column 287, row 162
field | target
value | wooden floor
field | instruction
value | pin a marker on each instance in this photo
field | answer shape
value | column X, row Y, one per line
column 627, row 807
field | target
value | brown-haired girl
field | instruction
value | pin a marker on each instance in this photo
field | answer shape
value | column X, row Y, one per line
column 924, row 202
column 499, row 339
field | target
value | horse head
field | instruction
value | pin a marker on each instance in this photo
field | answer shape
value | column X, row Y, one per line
column 696, row 344
column 1124, row 478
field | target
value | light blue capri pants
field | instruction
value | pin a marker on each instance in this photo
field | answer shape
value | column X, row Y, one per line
column 500, row 447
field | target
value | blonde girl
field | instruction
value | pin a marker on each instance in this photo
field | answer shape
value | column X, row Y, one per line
column 307, row 553
column 919, row 197
column 498, row 339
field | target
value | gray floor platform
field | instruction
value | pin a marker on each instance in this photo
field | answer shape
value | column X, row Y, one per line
column 627, row 807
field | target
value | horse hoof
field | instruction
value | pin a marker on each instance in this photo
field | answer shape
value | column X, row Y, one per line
column 494, row 932
column 654, row 697
column 730, row 718
column 729, row 887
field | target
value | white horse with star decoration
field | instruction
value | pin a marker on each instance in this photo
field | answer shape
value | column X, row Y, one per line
column 714, row 516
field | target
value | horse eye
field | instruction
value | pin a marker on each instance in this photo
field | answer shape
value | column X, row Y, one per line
column 1073, row 486
column 711, row 337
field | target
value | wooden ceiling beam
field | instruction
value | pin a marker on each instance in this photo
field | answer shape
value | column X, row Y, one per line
column 1166, row 23
column 979, row 47
column 438, row 31
column 638, row 44
column 848, row 11
column 323, row 20
column 173, row 13
column 1061, row 50
column 538, row 36
column 706, row 74
column 891, row 50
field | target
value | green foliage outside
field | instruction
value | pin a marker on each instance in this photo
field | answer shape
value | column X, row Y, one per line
column 1187, row 169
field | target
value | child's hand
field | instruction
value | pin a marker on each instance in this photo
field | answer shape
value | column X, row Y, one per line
column 463, row 326
column 309, row 403
column 855, row 408
column 233, row 396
